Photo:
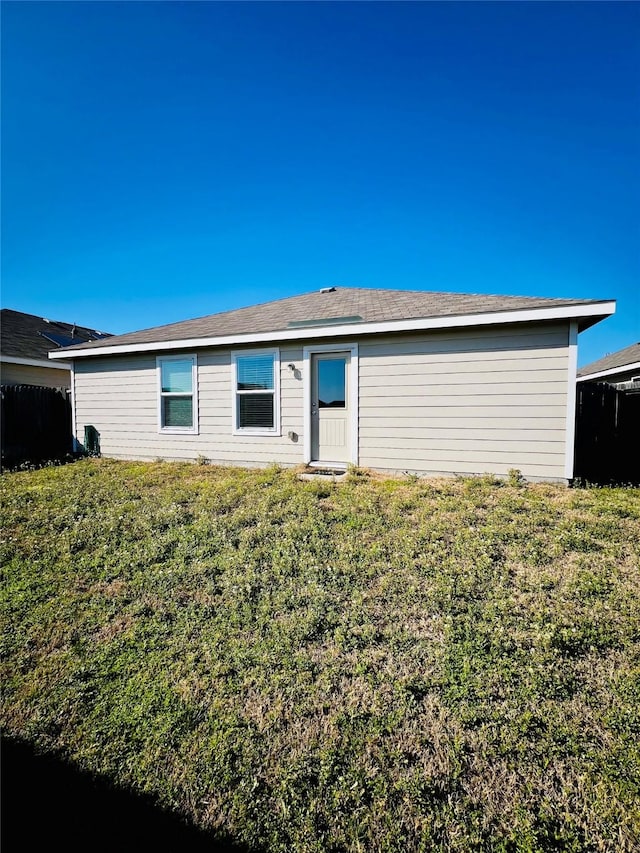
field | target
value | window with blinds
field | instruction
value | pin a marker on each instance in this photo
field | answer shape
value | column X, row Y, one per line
column 256, row 391
column 177, row 394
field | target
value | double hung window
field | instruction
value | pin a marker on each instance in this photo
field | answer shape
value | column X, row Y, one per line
column 177, row 394
column 256, row 403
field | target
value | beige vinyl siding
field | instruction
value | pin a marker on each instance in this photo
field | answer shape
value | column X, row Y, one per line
column 466, row 402
column 470, row 401
column 119, row 396
column 25, row 374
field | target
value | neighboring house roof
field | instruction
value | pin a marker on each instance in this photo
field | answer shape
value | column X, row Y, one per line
column 25, row 338
column 616, row 362
column 348, row 310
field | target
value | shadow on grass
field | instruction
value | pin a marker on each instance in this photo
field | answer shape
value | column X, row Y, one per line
column 45, row 799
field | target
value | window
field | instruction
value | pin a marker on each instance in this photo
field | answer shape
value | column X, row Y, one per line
column 256, row 404
column 177, row 394
column 331, row 382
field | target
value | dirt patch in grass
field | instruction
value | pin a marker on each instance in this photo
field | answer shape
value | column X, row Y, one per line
column 378, row 664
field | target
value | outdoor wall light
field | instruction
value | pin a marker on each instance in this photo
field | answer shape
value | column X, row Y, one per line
column 295, row 371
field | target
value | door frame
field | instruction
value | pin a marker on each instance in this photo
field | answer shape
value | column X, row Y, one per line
column 354, row 396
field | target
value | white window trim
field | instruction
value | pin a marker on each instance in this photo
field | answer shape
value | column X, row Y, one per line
column 354, row 395
column 238, row 430
column 192, row 430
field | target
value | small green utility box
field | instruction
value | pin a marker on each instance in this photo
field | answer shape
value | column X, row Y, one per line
column 91, row 440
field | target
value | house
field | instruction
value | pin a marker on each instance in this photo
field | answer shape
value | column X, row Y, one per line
column 433, row 383
column 27, row 340
column 621, row 368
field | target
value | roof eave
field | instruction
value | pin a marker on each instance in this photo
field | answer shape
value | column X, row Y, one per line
column 33, row 362
column 585, row 323
column 612, row 371
column 587, row 314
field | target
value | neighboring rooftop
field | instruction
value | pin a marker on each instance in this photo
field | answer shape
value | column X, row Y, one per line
column 337, row 306
column 619, row 361
column 32, row 337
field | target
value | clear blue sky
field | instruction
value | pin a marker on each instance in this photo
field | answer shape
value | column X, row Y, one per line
column 167, row 160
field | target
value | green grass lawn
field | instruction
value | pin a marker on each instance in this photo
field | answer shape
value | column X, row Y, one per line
column 376, row 665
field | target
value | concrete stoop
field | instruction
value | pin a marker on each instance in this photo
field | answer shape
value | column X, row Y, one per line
column 334, row 475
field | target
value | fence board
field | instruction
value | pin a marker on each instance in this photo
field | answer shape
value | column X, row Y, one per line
column 607, row 447
column 35, row 424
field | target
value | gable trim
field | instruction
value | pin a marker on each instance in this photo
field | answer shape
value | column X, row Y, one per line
column 527, row 315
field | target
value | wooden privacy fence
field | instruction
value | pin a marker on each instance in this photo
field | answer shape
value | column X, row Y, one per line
column 607, row 448
column 35, row 425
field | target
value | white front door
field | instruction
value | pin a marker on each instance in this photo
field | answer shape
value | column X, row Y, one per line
column 330, row 408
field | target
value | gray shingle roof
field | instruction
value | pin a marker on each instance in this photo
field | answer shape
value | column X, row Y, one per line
column 23, row 335
column 369, row 305
column 621, row 358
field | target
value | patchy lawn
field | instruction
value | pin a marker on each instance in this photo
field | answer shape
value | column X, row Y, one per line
column 380, row 665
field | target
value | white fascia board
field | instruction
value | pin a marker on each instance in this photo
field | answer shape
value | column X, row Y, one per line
column 527, row 315
column 35, row 362
column 635, row 365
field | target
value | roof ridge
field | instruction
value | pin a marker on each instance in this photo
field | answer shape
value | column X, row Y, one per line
column 396, row 290
column 49, row 320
